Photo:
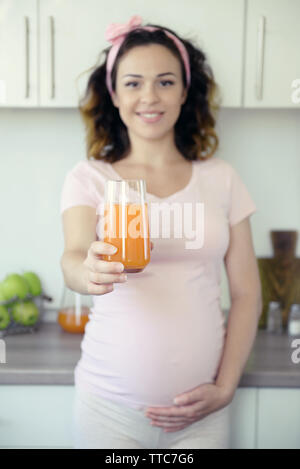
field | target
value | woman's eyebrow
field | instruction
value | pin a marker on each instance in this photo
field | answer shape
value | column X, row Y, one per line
column 140, row 76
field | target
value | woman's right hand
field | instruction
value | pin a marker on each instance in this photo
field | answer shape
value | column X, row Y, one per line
column 100, row 275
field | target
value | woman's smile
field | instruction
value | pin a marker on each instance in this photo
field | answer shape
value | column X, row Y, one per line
column 150, row 118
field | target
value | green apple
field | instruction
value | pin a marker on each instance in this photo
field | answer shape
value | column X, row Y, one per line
column 34, row 283
column 14, row 285
column 4, row 317
column 25, row 313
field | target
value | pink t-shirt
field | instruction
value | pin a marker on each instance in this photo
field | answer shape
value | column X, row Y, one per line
column 162, row 332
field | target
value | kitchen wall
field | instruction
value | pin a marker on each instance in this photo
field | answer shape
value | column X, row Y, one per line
column 38, row 147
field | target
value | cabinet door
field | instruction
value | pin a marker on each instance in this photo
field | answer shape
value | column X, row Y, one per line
column 278, row 419
column 216, row 27
column 72, row 37
column 272, row 74
column 243, row 419
column 36, row 416
column 18, row 53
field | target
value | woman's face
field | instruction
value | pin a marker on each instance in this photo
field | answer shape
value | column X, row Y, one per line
column 149, row 81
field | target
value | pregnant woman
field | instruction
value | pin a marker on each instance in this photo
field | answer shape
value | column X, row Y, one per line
column 159, row 366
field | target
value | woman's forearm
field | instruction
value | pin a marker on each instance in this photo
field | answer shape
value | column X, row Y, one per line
column 75, row 273
column 241, row 332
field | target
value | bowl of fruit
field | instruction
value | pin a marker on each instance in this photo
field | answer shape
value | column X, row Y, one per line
column 21, row 303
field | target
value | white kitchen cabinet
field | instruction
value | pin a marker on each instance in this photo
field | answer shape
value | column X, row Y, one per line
column 71, row 37
column 36, row 416
column 272, row 54
column 278, row 418
column 18, row 53
column 48, row 48
column 40, row 416
column 215, row 26
column 243, row 419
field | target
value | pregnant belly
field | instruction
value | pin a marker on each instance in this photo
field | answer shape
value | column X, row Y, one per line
column 149, row 363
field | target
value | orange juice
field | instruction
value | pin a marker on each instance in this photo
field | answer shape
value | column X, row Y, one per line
column 68, row 321
column 127, row 228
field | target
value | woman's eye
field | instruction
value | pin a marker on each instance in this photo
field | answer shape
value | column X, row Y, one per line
column 130, row 83
column 167, row 82
column 134, row 84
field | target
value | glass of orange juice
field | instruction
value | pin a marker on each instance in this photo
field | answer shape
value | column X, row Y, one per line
column 74, row 311
column 126, row 223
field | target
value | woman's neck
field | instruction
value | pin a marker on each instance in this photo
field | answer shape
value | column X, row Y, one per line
column 153, row 153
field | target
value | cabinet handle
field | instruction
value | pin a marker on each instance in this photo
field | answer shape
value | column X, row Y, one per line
column 260, row 56
column 52, row 57
column 27, row 84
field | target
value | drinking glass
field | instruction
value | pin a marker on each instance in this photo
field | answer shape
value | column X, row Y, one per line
column 74, row 311
column 126, row 223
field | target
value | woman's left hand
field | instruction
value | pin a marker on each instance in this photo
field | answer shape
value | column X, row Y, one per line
column 196, row 404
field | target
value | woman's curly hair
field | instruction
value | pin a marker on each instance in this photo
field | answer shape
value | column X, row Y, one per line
column 195, row 136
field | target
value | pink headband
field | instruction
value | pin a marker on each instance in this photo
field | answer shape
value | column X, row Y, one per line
column 116, row 34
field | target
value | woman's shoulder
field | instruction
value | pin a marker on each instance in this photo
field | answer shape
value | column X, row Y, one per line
column 92, row 168
column 214, row 163
column 217, row 171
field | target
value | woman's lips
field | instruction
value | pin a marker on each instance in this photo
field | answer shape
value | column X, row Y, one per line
column 150, row 120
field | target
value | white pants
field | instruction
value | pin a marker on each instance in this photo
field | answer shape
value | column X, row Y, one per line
column 101, row 423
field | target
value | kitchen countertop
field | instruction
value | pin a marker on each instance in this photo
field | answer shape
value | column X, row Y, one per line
column 48, row 357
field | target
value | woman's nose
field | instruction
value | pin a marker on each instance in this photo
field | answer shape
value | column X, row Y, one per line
column 149, row 94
